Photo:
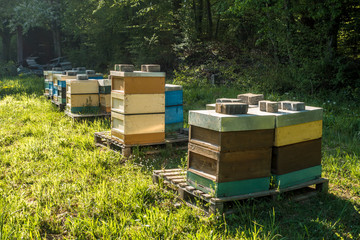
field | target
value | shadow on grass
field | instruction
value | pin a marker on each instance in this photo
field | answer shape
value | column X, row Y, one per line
column 324, row 216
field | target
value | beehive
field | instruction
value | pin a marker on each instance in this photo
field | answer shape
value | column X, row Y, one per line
column 297, row 146
column 174, row 112
column 138, row 106
column 104, row 86
column 82, row 96
column 61, row 98
column 230, row 154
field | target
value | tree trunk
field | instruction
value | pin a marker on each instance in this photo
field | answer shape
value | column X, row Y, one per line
column 200, row 18
column 6, row 43
column 57, row 41
column 217, row 26
column 333, row 36
column 210, row 22
column 289, row 21
column 176, row 4
column 196, row 22
column 20, row 47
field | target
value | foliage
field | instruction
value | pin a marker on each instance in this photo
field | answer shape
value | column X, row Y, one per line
column 7, row 69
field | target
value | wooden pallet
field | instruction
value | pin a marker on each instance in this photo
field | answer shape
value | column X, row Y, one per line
column 178, row 140
column 175, row 180
column 76, row 116
column 60, row 106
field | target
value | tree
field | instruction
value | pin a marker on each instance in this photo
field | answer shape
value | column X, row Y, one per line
column 6, row 14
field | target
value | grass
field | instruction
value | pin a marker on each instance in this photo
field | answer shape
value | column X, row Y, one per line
column 55, row 184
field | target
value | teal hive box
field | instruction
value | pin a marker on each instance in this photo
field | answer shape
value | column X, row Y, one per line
column 297, row 177
column 228, row 189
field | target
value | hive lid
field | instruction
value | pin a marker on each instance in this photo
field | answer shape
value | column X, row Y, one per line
column 137, row 74
column 253, row 120
column 172, row 87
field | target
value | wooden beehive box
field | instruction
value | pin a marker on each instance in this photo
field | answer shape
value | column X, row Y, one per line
column 105, row 102
column 137, row 103
column 174, row 114
column 84, row 103
column 297, row 146
column 233, row 140
column 138, row 128
column 104, row 86
column 138, row 82
column 46, row 83
column 173, row 95
column 82, row 86
column 229, row 166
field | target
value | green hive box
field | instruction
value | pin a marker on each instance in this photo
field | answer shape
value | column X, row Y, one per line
column 228, row 189
column 297, row 177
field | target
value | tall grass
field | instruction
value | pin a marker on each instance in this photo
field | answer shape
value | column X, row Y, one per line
column 55, row 184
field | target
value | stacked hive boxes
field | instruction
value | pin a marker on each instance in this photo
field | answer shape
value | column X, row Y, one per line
column 230, row 154
column 138, row 105
column 82, row 95
column 46, row 83
column 297, row 146
column 174, row 116
column 61, row 85
column 105, row 95
column 53, row 82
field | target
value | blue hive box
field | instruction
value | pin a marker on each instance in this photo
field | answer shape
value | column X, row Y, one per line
column 173, row 95
column 174, row 114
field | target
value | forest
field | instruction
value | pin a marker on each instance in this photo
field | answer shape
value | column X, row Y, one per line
column 300, row 45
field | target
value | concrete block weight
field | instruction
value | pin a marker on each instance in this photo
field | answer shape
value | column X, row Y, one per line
column 82, row 77
column 262, row 105
column 231, row 108
column 124, row 67
column 150, row 68
column 90, row 72
column 250, row 98
column 228, row 100
column 70, row 73
column 292, row 106
column 272, row 107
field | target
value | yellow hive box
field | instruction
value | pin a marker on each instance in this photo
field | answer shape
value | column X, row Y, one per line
column 298, row 133
column 139, row 128
column 137, row 103
column 82, row 86
column 84, row 100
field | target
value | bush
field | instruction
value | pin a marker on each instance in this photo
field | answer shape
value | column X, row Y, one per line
column 7, row 69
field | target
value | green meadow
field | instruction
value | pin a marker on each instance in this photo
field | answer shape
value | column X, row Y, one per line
column 55, row 184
